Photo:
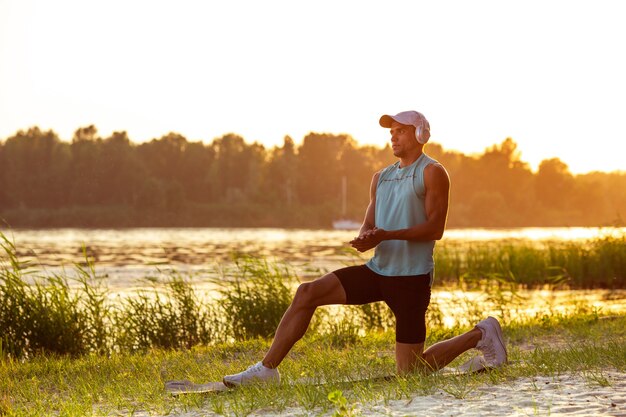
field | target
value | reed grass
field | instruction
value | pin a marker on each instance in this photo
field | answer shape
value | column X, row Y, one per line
column 595, row 263
column 43, row 313
column 256, row 298
column 175, row 318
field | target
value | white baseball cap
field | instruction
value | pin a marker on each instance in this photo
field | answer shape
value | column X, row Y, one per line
column 409, row 118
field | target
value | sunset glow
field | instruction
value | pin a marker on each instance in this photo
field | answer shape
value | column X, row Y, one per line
column 547, row 74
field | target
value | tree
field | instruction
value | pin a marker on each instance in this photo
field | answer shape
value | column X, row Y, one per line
column 34, row 165
column 358, row 165
column 163, row 157
column 554, row 183
column 195, row 173
column 164, row 161
column 119, row 171
column 235, row 164
column 319, row 177
column 302, row 184
column 84, row 181
column 280, row 177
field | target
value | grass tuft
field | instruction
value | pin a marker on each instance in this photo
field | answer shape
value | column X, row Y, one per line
column 256, row 298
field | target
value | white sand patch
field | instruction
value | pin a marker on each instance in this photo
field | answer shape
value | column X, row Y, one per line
column 565, row 395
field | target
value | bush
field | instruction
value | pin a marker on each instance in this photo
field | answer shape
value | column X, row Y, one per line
column 171, row 320
column 255, row 301
column 42, row 316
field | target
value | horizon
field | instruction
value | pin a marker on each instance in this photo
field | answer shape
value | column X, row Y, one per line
column 547, row 75
column 298, row 142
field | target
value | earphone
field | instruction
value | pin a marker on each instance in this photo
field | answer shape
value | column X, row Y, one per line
column 422, row 133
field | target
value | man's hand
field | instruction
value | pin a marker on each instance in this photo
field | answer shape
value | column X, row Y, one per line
column 368, row 240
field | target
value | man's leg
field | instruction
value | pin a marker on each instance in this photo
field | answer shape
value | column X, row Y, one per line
column 323, row 291
column 356, row 281
column 440, row 354
column 408, row 298
column 409, row 357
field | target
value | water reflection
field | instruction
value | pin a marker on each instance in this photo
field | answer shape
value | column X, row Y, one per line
column 534, row 233
column 125, row 256
column 467, row 307
column 130, row 258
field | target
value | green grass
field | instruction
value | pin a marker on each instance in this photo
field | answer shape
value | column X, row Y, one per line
column 67, row 349
column 121, row 384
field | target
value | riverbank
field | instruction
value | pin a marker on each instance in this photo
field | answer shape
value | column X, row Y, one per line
column 559, row 364
column 78, row 314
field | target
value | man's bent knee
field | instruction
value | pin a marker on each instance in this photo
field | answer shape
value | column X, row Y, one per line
column 323, row 291
column 304, row 295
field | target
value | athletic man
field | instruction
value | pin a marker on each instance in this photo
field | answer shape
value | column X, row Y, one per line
column 407, row 213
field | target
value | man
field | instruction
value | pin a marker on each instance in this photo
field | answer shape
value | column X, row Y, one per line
column 407, row 213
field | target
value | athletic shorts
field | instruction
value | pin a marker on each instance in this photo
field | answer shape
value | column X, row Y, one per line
column 407, row 296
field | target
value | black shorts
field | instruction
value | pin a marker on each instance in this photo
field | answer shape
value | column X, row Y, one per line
column 407, row 296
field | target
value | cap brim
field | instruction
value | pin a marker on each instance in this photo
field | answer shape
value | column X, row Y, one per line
column 386, row 120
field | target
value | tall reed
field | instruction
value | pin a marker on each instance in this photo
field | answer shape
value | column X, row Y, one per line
column 44, row 313
column 595, row 263
column 257, row 297
column 171, row 319
column 40, row 313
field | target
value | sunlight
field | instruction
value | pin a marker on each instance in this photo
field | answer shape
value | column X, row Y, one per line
column 531, row 304
column 266, row 70
column 534, row 233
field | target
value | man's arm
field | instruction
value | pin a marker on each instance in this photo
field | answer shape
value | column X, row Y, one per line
column 437, row 185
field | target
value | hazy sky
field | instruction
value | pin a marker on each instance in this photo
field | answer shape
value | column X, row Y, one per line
column 549, row 74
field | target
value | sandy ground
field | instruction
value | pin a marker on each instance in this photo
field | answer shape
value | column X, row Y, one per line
column 565, row 395
column 540, row 396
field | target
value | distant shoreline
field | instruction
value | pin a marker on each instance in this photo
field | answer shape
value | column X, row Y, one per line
column 226, row 215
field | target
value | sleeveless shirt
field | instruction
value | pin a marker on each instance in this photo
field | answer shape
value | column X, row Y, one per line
column 400, row 197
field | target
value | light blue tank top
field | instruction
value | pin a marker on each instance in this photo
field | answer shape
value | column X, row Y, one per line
column 400, row 195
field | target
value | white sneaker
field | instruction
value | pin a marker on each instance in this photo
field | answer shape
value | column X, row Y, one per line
column 474, row 365
column 492, row 343
column 256, row 373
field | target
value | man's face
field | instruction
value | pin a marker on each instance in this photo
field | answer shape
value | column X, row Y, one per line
column 402, row 139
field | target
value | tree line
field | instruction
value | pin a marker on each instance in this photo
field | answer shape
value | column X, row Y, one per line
column 94, row 181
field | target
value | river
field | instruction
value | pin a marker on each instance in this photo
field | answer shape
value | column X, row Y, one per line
column 131, row 259
column 126, row 256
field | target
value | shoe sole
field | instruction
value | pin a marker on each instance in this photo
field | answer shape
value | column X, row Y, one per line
column 250, row 382
column 473, row 366
column 229, row 384
column 500, row 338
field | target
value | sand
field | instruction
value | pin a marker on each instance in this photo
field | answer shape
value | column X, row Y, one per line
column 564, row 395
